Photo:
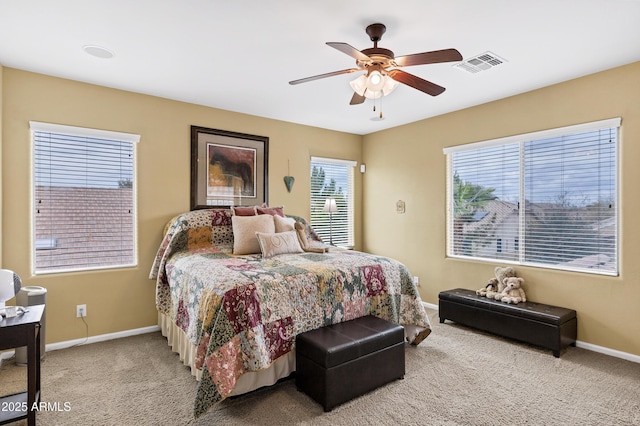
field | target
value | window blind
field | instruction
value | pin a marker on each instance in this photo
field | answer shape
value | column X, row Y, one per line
column 333, row 178
column 546, row 199
column 84, row 198
column 484, row 204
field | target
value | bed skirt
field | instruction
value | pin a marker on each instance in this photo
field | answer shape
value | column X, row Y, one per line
column 249, row 381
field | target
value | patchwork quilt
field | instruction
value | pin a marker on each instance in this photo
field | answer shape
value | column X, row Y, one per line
column 243, row 312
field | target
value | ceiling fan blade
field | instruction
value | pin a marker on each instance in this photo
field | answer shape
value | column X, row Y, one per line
column 349, row 50
column 446, row 55
column 356, row 99
column 416, row 82
column 329, row 74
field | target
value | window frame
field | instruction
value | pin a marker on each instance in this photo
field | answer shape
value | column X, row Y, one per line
column 613, row 123
column 73, row 131
column 350, row 220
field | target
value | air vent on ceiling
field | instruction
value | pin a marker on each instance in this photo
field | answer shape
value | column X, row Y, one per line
column 482, row 62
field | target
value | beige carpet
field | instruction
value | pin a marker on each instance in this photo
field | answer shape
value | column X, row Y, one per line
column 455, row 377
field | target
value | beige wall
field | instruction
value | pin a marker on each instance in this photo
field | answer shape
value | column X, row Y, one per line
column 404, row 163
column 407, row 163
column 124, row 299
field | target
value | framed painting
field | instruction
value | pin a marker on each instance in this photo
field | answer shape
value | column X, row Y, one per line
column 228, row 168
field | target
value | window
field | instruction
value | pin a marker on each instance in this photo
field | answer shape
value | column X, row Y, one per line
column 332, row 179
column 553, row 193
column 84, row 198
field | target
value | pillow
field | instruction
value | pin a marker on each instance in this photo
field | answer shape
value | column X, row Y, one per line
column 301, row 231
column 278, row 243
column 306, row 244
column 220, row 217
column 271, row 210
column 284, row 224
column 244, row 232
column 243, row 211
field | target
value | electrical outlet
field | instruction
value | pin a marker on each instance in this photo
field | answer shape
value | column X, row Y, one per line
column 81, row 311
column 416, row 281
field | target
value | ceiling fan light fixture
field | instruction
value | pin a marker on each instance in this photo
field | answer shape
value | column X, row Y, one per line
column 389, row 85
column 362, row 87
column 375, row 81
column 359, row 85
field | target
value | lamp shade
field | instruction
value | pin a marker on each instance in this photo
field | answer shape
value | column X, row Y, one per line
column 375, row 81
column 330, row 205
column 373, row 86
column 389, row 85
column 9, row 285
column 359, row 85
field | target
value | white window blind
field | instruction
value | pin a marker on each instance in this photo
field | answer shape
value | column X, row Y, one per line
column 84, row 198
column 545, row 199
column 332, row 178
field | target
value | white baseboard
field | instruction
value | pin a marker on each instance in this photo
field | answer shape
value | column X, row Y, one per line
column 430, row 306
column 583, row 345
column 607, row 351
column 91, row 339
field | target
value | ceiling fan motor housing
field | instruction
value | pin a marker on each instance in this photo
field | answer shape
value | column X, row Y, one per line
column 378, row 55
column 375, row 31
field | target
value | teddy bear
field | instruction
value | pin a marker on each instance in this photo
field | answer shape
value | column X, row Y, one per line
column 492, row 285
column 495, row 285
column 513, row 292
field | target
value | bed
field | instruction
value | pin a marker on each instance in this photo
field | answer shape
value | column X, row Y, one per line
column 233, row 318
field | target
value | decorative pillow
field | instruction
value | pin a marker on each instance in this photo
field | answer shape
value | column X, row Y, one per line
column 301, row 231
column 271, row 210
column 311, row 233
column 272, row 244
column 220, row 217
column 243, row 211
column 284, row 224
column 244, row 232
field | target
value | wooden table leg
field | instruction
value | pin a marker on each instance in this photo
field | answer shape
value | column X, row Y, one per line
column 33, row 373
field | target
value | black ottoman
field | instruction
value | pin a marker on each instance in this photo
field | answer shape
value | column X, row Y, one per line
column 342, row 361
column 547, row 326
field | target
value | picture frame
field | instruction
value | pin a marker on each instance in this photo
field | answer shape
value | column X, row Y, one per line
column 228, row 168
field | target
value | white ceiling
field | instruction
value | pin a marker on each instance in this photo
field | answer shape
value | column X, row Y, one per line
column 240, row 55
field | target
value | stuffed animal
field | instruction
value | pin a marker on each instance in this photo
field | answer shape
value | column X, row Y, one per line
column 495, row 285
column 513, row 292
column 492, row 285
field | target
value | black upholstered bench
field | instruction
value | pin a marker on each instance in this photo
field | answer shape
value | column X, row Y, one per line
column 550, row 327
column 339, row 362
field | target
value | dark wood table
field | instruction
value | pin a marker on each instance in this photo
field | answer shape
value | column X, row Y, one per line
column 23, row 330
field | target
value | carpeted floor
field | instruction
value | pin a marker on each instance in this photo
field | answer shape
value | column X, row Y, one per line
column 455, row 377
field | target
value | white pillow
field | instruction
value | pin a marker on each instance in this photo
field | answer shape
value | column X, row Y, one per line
column 244, row 232
column 278, row 243
column 284, row 224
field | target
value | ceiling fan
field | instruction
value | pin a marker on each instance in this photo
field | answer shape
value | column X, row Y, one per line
column 379, row 80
